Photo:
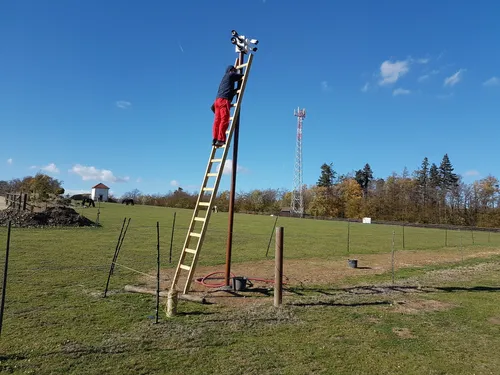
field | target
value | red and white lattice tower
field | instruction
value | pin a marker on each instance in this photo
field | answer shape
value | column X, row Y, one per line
column 297, row 192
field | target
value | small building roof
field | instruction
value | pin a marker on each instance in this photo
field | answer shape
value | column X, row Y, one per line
column 100, row 185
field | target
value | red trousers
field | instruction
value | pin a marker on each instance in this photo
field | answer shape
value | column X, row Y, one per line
column 221, row 121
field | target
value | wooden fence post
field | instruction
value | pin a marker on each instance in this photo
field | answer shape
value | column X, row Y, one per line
column 278, row 276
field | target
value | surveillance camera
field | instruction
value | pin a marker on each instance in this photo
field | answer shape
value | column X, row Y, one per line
column 254, row 41
column 234, row 33
column 253, row 49
column 234, row 40
column 239, row 43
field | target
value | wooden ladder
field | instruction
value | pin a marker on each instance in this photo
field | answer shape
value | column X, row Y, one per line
column 205, row 202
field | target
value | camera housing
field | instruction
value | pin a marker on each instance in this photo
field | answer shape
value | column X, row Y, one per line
column 243, row 44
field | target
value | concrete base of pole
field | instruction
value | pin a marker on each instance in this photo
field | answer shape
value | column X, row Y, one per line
column 172, row 298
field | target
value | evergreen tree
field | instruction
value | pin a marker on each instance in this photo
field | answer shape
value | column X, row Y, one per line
column 364, row 177
column 449, row 180
column 327, row 176
column 423, row 178
column 434, row 177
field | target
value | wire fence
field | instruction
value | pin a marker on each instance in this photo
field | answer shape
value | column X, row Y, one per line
column 94, row 248
column 119, row 253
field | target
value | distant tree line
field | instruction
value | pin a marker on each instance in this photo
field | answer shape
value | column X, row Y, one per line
column 432, row 194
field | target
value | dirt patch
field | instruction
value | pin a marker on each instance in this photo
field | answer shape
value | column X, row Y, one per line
column 320, row 274
column 494, row 320
column 421, row 306
column 457, row 273
column 403, row 333
column 51, row 217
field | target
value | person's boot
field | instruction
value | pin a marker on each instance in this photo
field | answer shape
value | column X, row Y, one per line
column 219, row 143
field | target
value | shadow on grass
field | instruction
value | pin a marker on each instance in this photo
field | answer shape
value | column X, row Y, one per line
column 340, row 304
column 233, row 293
column 386, row 289
column 188, row 313
column 471, row 289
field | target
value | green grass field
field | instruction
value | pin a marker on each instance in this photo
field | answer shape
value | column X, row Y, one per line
column 56, row 321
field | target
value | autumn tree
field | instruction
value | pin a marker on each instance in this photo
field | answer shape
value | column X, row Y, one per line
column 41, row 186
column 351, row 195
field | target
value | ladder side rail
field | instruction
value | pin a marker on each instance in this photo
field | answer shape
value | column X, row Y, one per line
column 195, row 213
column 236, row 105
column 219, row 176
column 192, row 224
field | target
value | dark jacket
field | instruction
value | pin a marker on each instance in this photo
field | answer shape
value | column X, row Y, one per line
column 226, row 87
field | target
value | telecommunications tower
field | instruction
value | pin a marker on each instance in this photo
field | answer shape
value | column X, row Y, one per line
column 297, row 193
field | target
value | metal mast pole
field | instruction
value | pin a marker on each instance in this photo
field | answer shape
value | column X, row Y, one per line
column 242, row 47
column 229, row 248
column 297, row 193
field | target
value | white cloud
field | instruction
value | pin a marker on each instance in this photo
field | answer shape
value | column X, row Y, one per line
column 423, row 61
column 392, row 71
column 493, row 81
column 138, row 180
column 454, row 79
column 51, row 168
column 400, row 91
column 228, row 167
column 92, row 173
column 365, row 87
column 76, row 191
column 174, row 183
column 123, row 104
column 325, row 86
column 471, row 173
column 180, row 47
column 10, row 161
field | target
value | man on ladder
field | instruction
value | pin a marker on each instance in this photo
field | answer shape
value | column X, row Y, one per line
column 222, row 105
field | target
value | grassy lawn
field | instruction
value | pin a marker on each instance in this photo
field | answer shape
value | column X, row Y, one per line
column 443, row 320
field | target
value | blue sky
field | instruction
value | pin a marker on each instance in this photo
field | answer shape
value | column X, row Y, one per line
column 119, row 91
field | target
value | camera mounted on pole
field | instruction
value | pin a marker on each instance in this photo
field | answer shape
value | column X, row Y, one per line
column 242, row 43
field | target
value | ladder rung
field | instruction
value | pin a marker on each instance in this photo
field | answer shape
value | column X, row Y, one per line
column 241, row 66
column 184, row 267
column 204, row 204
column 191, row 251
column 199, row 219
column 212, row 174
column 195, row 234
column 216, row 160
